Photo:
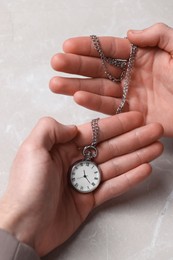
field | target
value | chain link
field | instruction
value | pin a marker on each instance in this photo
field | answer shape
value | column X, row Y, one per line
column 127, row 78
column 119, row 63
column 95, row 131
column 90, row 151
column 125, row 65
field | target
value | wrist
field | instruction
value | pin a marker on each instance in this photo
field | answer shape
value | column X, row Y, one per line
column 12, row 221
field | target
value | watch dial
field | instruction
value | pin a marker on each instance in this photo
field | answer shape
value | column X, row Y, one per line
column 85, row 176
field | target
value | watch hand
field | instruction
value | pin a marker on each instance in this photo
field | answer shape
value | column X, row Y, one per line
column 82, row 176
column 87, row 179
column 85, row 176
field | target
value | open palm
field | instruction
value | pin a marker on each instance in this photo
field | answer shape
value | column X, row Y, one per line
column 40, row 207
column 151, row 86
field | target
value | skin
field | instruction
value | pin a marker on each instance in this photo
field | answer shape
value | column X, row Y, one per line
column 39, row 206
column 151, row 86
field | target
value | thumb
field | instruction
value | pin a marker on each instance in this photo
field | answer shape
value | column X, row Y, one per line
column 49, row 132
column 159, row 35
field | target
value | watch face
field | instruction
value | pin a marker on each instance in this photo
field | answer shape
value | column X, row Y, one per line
column 85, row 176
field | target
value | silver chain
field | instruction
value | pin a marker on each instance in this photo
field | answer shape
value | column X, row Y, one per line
column 125, row 65
column 119, row 63
column 95, row 131
column 127, row 79
column 90, row 151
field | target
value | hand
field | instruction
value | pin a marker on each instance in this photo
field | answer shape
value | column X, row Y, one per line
column 151, row 87
column 40, row 207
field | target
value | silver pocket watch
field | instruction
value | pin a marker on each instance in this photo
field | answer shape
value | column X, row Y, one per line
column 85, row 175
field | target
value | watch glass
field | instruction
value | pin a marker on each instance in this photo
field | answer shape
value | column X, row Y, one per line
column 85, row 176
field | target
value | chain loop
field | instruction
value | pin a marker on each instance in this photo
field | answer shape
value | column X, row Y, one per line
column 127, row 78
column 90, row 151
column 114, row 62
column 125, row 65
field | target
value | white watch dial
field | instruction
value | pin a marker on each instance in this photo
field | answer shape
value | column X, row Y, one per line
column 85, row 176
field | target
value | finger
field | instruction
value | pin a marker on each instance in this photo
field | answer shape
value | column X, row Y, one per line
column 121, row 184
column 129, row 141
column 82, row 65
column 69, row 86
column 122, row 164
column 48, row 132
column 159, row 35
column 103, row 104
column 112, row 47
column 109, row 127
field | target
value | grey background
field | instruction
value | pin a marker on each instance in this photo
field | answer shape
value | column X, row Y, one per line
column 135, row 226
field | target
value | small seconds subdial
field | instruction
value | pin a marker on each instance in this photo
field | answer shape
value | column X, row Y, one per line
column 85, row 176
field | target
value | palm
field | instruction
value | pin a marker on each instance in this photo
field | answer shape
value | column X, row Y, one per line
column 151, row 89
column 71, row 207
column 56, row 209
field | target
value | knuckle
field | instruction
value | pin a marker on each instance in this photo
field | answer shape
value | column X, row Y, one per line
column 46, row 121
column 160, row 26
column 27, row 147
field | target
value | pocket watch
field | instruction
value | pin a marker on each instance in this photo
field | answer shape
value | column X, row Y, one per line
column 85, row 175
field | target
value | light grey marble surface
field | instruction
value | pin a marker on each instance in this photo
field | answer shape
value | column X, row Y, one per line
column 136, row 226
